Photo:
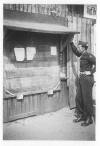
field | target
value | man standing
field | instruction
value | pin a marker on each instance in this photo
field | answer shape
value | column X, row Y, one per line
column 84, row 103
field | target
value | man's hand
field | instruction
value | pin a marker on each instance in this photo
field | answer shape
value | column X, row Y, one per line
column 71, row 37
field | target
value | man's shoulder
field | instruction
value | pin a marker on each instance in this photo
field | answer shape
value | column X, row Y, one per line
column 90, row 55
column 87, row 55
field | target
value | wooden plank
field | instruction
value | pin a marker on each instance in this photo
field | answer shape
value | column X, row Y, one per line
column 61, row 94
column 89, row 35
column 39, row 103
column 58, row 98
column 23, row 110
column 63, row 101
column 72, row 90
column 71, row 80
column 25, row 7
column 54, row 101
column 83, row 29
column 35, row 102
column 14, row 106
column 92, row 39
column 74, row 23
column 29, row 8
column 79, row 38
column 47, row 101
column 5, row 110
column 65, row 94
column 26, row 104
column 71, row 98
column 44, row 102
column 33, row 8
column 9, row 106
column 28, row 100
column 30, row 103
column 18, row 106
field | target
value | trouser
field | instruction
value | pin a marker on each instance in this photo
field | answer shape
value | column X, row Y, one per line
column 84, row 103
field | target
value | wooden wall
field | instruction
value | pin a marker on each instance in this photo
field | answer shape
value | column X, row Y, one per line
column 34, row 104
column 59, row 10
column 32, row 79
column 42, row 73
column 74, row 22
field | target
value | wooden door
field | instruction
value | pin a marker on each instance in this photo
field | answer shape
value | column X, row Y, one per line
column 64, row 87
column 72, row 74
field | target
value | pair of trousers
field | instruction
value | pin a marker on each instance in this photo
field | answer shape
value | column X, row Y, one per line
column 84, row 102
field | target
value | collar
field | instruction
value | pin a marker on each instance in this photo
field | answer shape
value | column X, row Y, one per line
column 84, row 51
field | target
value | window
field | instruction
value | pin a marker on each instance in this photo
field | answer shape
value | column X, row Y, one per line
column 19, row 53
column 30, row 53
column 53, row 50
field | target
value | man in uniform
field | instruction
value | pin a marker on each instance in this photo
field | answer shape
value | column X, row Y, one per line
column 84, row 103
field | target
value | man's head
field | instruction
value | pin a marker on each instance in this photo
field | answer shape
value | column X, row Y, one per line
column 82, row 46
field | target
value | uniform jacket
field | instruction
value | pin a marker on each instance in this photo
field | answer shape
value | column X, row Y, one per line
column 87, row 60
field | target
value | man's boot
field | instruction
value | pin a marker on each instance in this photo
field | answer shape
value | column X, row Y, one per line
column 79, row 119
column 87, row 122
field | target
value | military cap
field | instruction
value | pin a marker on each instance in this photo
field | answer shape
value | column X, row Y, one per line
column 84, row 44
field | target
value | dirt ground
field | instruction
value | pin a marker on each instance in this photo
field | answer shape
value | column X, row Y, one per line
column 51, row 126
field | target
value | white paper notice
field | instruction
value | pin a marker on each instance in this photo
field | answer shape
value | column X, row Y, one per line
column 53, row 50
column 19, row 53
column 50, row 92
column 31, row 51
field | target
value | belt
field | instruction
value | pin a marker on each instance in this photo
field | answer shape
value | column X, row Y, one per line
column 86, row 72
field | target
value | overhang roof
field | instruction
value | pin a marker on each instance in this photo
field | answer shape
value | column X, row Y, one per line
column 21, row 22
